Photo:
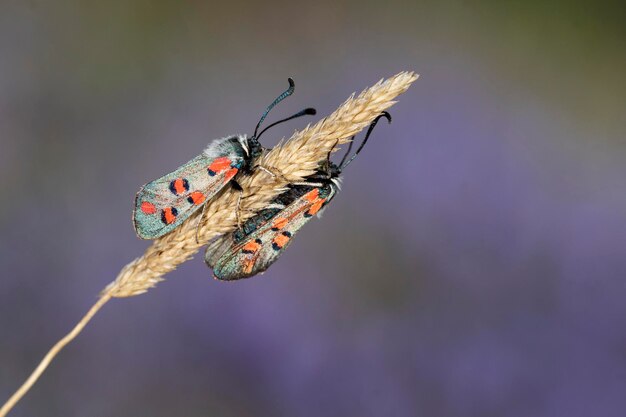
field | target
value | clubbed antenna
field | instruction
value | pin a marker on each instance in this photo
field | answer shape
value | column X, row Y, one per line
column 287, row 93
column 367, row 135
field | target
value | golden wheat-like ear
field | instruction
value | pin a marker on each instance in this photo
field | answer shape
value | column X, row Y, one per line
column 293, row 159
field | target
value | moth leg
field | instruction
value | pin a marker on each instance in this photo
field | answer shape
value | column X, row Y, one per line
column 238, row 210
column 238, row 187
column 282, row 177
column 272, row 173
column 269, row 206
column 309, row 184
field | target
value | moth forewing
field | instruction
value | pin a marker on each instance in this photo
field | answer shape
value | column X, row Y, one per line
column 255, row 246
column 163, row 204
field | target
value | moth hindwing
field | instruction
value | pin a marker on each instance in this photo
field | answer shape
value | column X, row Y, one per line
column 163, row 204
column 259, row 242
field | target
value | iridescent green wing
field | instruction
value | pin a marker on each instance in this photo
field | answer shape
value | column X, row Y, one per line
column 233, row 259
column 163, row 204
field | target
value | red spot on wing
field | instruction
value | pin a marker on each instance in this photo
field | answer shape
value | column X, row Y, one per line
column 281, row 240
column 196, row 198
column 178, row 186
column 220, row 164
column 169, row 215
column 230, row 174
column 248, row 264
column 316, row 207
column 148, row 208
column 279, row 223
column 312, row 195
column 251, row 247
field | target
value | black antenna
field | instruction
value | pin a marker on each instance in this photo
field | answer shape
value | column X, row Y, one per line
column 348, row 151
column 280, row 98
column 307, row 111
column 331, row 151
column 367, row 135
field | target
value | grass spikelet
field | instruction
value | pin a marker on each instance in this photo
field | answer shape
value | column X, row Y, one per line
column 293, row 160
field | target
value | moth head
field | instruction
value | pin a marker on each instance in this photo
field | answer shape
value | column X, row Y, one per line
column 333, row 170
column 254, row 147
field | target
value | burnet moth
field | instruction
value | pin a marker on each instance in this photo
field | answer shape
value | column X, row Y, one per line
column 163, row 204
column 259, row 242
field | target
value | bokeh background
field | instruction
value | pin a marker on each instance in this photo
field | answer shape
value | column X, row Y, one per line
column 473, row 265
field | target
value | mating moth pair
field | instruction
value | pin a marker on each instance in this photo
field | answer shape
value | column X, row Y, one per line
column 163, row 204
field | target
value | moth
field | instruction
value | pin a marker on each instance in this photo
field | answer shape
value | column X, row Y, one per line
column 258, row 243
column 163, row 204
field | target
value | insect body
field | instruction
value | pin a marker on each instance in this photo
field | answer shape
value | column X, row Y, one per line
column 163, row 204
column 258, row 243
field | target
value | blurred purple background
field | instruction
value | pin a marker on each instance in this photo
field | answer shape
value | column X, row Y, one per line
column 472, row 266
